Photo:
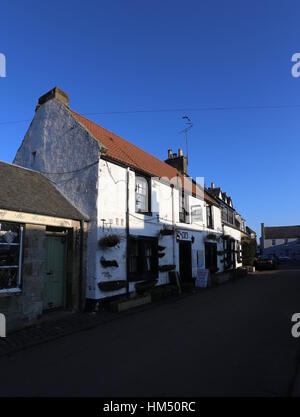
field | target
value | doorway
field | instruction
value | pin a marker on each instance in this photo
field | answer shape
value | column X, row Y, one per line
column 211, row 258
column 54, row 291
column 185, row 261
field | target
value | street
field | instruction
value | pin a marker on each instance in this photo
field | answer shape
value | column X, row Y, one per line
column 231, row 340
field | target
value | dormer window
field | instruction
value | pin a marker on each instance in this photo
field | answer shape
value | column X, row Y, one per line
column 142, row 195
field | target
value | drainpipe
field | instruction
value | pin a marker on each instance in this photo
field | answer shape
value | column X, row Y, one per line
column 81, row 266
column 174, row 237
column 127, row 232
column 173, row 222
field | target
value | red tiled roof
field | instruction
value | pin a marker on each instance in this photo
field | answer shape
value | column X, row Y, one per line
column 127, row 153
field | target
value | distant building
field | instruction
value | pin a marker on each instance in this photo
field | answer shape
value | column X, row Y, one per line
column 281, row 241
column 233, row 227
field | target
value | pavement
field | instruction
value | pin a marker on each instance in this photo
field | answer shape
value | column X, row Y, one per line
column 231, row 340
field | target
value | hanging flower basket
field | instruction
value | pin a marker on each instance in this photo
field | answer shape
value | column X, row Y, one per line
column 111, row 285
column 161, row 255
column 161, row 248
column 144, row 286
column 106, row 263
column 166, row 268
column 109, row 241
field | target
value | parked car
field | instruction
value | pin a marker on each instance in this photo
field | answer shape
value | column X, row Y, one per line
column 266, row 262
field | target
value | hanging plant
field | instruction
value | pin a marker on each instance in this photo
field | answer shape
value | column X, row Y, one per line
column 161, row 255
column 220, row 252
column 111, row 285
column 144, row 286
column 109, row 241
column 106, row 263
column 166, row 268
column 161, row 248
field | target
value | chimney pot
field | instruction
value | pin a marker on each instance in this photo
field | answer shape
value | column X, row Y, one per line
column 174, row 155
column 180, row 152
column 170, row 154
column 212, row 185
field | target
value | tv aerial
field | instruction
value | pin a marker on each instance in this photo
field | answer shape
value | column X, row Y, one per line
column 189, row 124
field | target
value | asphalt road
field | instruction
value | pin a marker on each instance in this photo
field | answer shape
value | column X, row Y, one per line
column 232, row 340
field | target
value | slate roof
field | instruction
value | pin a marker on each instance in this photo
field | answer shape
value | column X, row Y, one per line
column 282, row 232
column 125, row 152
column 28, row 191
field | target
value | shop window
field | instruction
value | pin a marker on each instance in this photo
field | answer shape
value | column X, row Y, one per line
column 11, row 241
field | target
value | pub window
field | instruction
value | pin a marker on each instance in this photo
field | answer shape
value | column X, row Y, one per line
column 224, row 214
column 238, row 249
column 143, row 258
column 230, row 216
column 196, row 214
column 184, row 215
column 11, row 242
column 209, row 217
column 141, row 195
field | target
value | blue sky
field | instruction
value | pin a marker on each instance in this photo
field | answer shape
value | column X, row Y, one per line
column 138, row 55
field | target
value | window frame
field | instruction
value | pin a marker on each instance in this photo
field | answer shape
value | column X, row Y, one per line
column 139, row 244
column 209, row 224
column 148, row 182
column 20, row 244
column 197, row 212
column 184, row 214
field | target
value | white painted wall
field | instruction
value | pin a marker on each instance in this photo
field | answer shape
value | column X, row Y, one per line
column 236, row 235
column 64, row 147
column 112, row 219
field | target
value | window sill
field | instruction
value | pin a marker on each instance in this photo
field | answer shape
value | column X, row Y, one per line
column 10, row 292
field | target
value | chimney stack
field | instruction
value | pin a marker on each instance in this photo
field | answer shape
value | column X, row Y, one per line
column 57, row 94
column 178, row 162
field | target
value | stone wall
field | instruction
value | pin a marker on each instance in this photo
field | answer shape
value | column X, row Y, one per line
column 22, row 309
column 26, row 307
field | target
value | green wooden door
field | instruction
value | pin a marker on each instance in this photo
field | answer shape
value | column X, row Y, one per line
column 55, row 273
